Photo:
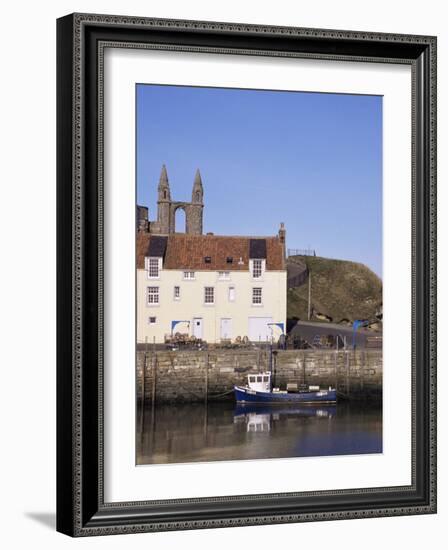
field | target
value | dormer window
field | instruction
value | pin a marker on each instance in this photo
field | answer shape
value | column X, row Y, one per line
column 153, row 267
column 257, row 268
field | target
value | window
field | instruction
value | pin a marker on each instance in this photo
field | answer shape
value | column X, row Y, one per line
column 177, row 292
column 259, row 379
column 189, row 275
column 257, row 296
column 153, row 267
column 257, row 268
column 153, row 295
column 229, row 259
column 223, row 275
column 208, row 259
column 209, row 295
column 152, row 320
column 231, row 293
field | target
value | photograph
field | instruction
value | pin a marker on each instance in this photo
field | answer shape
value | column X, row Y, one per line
column 259, row 256
column 246, row 273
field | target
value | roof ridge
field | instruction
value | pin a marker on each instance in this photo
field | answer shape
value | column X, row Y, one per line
column 186, row 251
column 223, row 236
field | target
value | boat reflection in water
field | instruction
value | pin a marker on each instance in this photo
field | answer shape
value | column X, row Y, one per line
column 199, row 432
column 259, row 418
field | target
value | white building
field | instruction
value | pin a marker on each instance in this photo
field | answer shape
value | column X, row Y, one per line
column 212, row 287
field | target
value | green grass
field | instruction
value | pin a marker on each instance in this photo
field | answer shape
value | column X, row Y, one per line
column 339, row 289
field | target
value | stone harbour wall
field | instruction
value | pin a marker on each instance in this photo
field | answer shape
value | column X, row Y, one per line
column 194, row 376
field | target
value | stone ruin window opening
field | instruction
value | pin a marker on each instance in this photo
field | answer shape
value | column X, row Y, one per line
column 180, row 220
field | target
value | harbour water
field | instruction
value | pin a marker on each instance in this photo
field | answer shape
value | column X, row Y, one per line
column 182, row 433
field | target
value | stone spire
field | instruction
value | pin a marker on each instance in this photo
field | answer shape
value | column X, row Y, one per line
column 164, row 186
column 198, row 191
column 163, row 204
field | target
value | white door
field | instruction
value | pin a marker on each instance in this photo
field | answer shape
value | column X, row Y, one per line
column 259, row 329
column 197, row 327
column 226, row 328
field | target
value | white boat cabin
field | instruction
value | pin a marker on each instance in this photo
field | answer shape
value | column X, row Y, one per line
column 259, row 382
column 258, row 423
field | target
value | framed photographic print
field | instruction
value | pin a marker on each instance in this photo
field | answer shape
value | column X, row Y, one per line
column 246, row 274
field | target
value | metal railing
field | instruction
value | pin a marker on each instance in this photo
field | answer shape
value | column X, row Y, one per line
column 301, row 252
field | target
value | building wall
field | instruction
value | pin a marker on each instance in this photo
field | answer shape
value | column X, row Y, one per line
column 191, row 303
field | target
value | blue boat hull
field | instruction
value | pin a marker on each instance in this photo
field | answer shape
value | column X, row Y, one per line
column 245, row 395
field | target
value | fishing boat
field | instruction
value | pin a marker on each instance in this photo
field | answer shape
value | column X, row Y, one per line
column 259, row 390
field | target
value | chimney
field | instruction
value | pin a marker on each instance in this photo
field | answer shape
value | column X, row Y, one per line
column 282, row 233
column 282, row 239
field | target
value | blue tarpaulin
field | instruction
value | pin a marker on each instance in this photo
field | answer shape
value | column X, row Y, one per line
column 281, row 326
column 356, row 324
column 174, row 323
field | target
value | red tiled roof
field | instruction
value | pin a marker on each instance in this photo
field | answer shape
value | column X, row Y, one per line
column 188, row 252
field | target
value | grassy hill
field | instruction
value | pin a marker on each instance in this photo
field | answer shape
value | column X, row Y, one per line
column 341, row 291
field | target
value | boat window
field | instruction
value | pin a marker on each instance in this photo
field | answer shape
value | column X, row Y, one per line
column 251, row 378
column 265, row 378
column 259, row 379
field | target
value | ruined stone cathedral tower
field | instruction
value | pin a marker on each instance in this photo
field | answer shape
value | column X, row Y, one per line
column 167, row 208
column 163, row 204
column 195, row 208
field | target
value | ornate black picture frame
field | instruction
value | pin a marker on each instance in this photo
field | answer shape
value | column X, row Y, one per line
column 81, row 509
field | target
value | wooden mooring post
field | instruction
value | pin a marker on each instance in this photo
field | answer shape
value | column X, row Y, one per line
column 145, row 359
column 347, row 375
column 363, row 360
column 304, row 368
column 143, row 396
column 153, row 393
column 154, row 374
column 206, row 377
column 336, row 358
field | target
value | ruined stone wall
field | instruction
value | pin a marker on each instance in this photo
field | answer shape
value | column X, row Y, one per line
column 193, row 217
column 198, row 375
column 142, row 218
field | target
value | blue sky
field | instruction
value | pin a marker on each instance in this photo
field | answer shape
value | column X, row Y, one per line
column 310, row 160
